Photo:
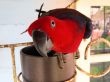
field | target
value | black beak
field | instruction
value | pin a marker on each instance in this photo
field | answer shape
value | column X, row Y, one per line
column 42, row 43
column 39, row 40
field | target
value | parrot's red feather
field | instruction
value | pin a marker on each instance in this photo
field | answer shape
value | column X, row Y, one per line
column 32, row 27
column 66, row 36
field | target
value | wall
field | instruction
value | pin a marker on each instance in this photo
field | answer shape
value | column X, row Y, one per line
column 84, row 5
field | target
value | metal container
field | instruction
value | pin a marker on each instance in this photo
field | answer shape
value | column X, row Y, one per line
column 36, row 68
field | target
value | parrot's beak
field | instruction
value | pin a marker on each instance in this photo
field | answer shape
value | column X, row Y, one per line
column 41, row 42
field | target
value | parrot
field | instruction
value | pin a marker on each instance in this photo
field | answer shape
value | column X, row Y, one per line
column 65, row 27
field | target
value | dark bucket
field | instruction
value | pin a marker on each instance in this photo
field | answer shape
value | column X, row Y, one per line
column 45, row 69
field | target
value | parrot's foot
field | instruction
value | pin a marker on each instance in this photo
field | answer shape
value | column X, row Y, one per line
column 77, row 56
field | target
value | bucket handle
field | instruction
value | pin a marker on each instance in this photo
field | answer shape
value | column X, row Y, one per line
column 70, row 80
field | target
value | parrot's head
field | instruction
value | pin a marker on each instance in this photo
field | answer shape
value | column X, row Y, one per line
column 47, row 24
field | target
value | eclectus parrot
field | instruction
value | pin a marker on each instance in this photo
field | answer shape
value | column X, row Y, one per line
column 65, row 27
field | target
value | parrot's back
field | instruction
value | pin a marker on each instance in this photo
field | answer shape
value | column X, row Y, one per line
column 72, row 14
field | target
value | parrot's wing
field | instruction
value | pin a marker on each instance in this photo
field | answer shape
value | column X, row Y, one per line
column 72, row 14
column 88, row 30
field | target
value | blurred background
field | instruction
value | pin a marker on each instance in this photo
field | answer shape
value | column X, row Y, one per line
column 100, row 16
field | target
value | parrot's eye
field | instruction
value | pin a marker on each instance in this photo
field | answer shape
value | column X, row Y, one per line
column 52, row 23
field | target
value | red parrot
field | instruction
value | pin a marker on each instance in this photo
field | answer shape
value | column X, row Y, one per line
column 65, row 27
